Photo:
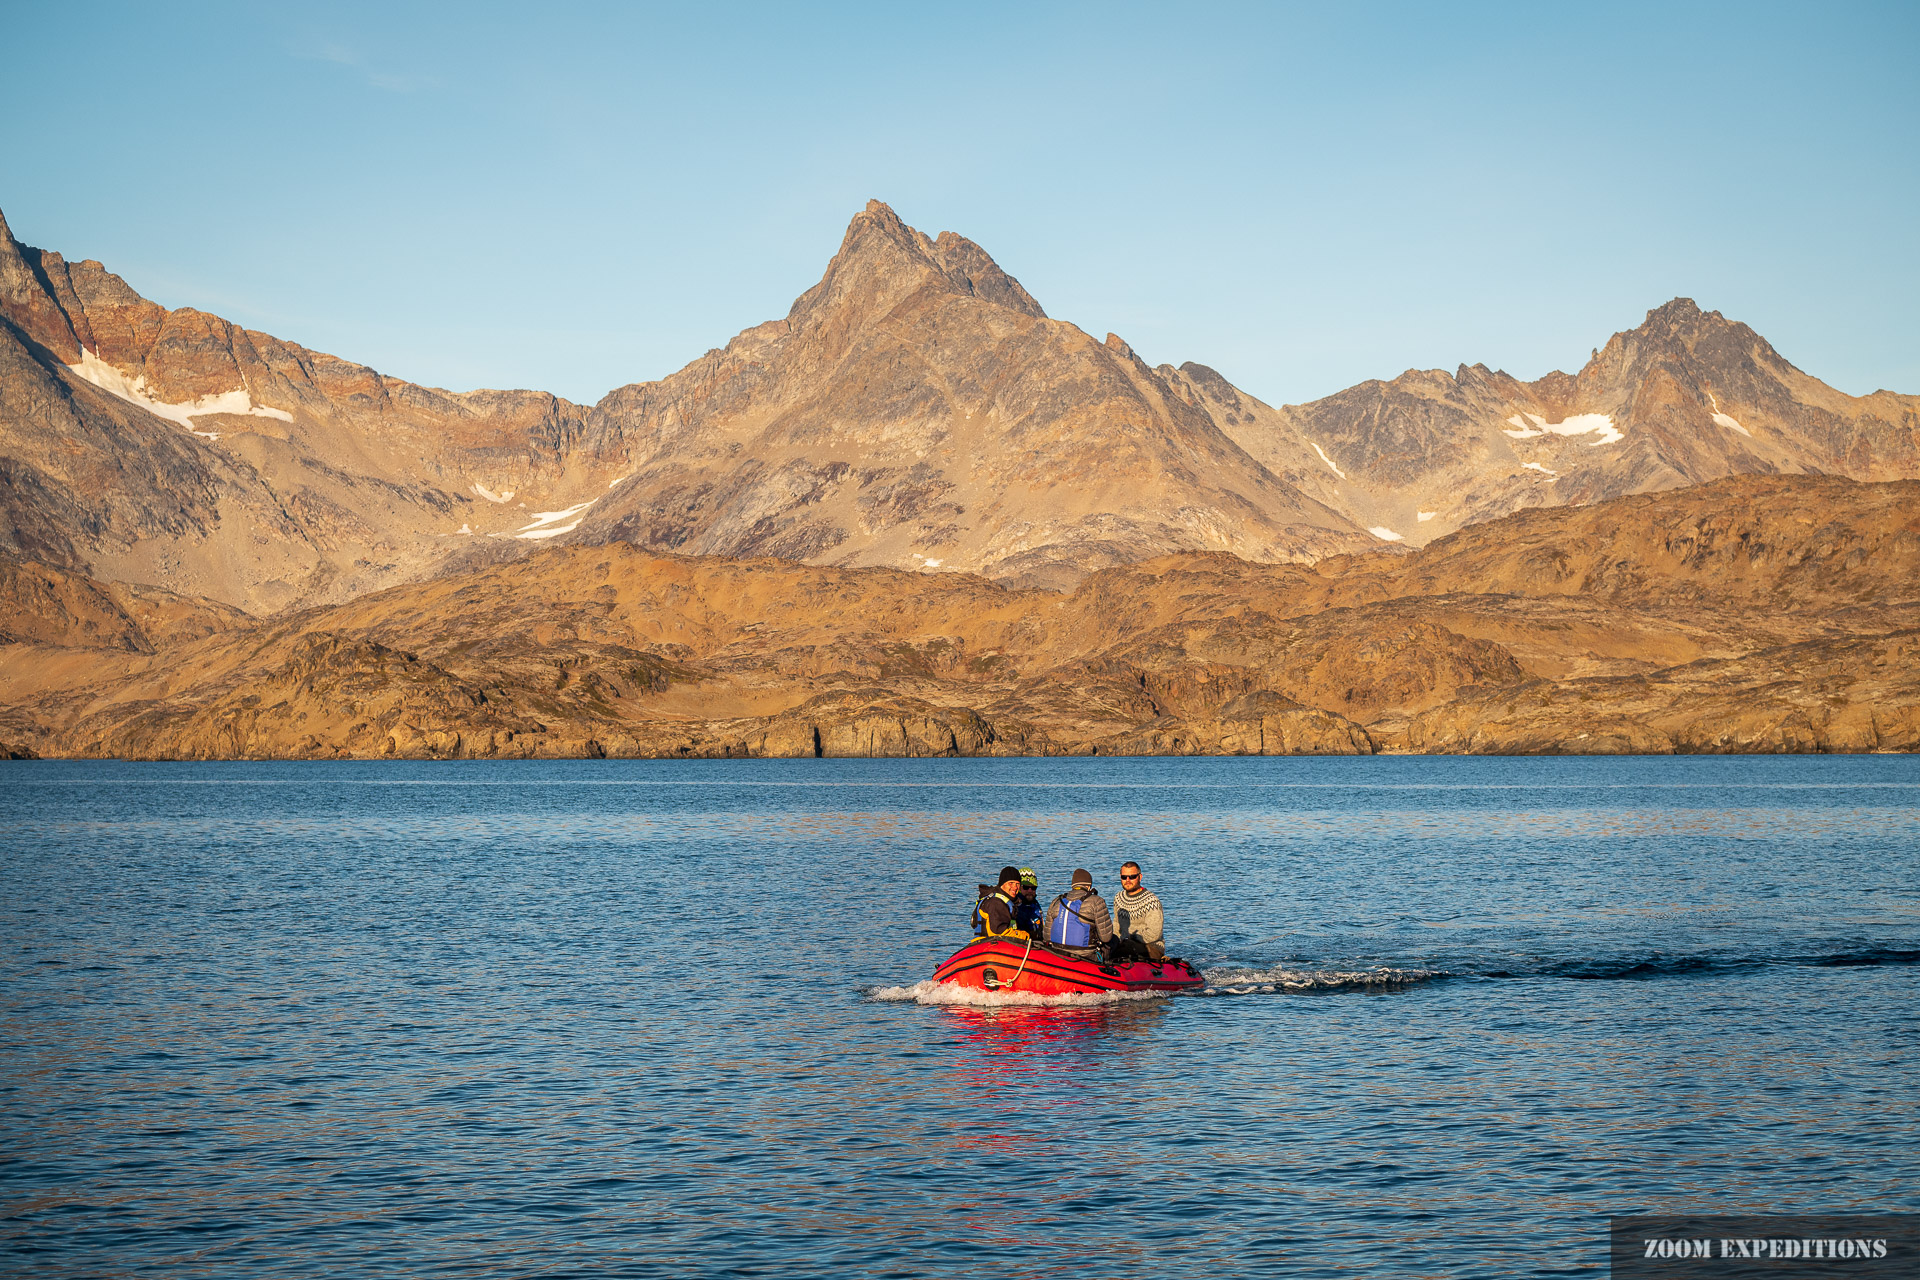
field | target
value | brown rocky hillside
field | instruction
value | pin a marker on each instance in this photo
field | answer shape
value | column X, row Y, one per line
column 1755, row 613
column 140, row 444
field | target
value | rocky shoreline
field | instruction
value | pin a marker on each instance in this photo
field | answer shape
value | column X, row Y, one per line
column 1759, row 614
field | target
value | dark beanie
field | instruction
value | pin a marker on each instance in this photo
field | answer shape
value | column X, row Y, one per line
column 1082, row 876
column 1008, row 873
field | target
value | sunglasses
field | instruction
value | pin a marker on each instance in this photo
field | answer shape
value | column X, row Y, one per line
column 1125, row 876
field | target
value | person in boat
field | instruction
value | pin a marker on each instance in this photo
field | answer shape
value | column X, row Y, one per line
column 993, row 913
column 1138, row 922
column 1078, row 920
column 1027, row 912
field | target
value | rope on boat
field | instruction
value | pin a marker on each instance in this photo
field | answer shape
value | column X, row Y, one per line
column 1023, row 962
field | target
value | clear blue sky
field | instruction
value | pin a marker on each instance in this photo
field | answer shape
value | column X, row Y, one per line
column 1301, row 196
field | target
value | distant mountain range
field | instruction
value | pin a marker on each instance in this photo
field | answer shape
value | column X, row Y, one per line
column 916, row 409
column 1687, row 397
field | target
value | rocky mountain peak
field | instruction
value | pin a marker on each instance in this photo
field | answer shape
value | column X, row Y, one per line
column 1682, row 322
column 1704, row 346
column 1675, row 312
column 1210, row 381
column 27, row 299
column 918, row 408
column 882, row 262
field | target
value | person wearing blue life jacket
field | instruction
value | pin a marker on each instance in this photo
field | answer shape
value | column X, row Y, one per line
column 1027, row 913
column 993, row 910
column 1078, row 920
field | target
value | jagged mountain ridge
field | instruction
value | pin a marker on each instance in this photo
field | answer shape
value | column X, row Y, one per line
column 916, row 408
column 1685, row 398
column 178, row 449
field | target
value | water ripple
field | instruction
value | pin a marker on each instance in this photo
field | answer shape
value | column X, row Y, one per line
column 674, row 1018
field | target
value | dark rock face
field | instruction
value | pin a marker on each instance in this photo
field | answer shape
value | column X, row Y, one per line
column 27, row 300
column 969, row 267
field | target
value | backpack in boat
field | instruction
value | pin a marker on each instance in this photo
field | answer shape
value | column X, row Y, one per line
column 1068, row 929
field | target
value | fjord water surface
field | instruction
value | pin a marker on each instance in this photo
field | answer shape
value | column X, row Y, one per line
column 659, row 1018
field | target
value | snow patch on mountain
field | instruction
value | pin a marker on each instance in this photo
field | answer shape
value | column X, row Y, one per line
column 549, row 533
column 134, row 391
column 1579, row 424
column 545, row 522
column 1329, row 461
column 1726, row 420
column 1385, row 534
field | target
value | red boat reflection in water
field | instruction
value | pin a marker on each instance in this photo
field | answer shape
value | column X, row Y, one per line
column 1048, row 1056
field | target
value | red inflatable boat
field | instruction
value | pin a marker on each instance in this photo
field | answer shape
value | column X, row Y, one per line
column 1011, row 964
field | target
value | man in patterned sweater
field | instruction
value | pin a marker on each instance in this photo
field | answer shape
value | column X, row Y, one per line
column 1137, row 919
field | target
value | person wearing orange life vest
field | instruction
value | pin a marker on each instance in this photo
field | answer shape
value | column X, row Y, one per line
column 993, row 912
column 1078, row 920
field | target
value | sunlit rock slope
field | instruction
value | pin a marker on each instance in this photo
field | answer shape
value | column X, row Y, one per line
column 1755, row 613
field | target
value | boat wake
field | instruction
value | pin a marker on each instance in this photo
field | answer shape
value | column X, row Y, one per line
column 931, row 992
column 1658, row 965
column 1285, row 979
column 1247, row 982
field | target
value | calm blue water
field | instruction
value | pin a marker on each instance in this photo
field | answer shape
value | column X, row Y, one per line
column 646, row 1019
